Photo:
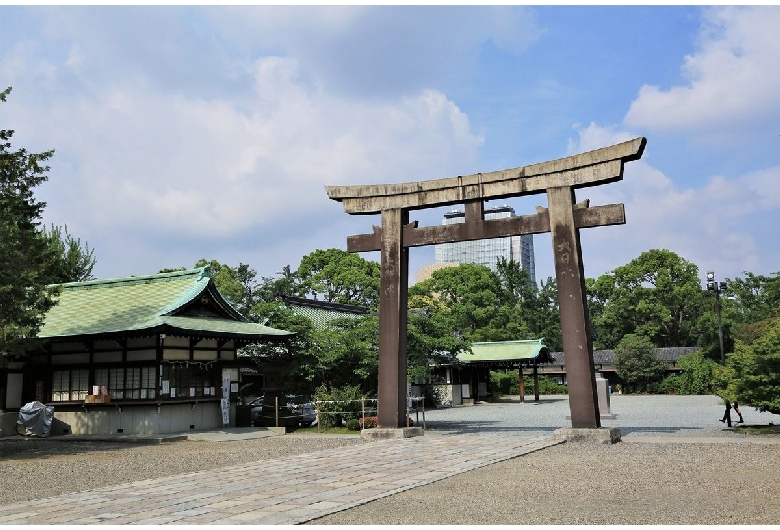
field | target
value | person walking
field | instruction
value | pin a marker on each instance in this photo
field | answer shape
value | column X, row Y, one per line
column 727, row 414
column 735, row 406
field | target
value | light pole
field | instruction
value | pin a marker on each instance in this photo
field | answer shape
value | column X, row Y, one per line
column 712, row 285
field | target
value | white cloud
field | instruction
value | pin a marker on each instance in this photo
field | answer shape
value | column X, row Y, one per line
column 713, row 226
column 733, row 80
column 380, row 51
column 145, row 166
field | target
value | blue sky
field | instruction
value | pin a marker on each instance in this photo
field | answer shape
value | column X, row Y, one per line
column 207, row 132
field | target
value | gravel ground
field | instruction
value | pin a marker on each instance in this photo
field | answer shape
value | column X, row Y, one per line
column 32, row 468
column 626, row 483
column 637, row 415
column 577, row 483
column 665, row 482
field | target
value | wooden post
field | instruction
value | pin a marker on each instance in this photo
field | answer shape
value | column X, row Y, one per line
column 522, row 385
column 536, row 382
column 577, row 345
column 394, row 283
column 276, row 409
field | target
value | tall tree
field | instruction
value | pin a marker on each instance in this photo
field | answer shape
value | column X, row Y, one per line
column 70, row 260
column 334, row 275
column 755, row 366
column 636, row 363
column 469, row 297
column 657, row 295
column 237, row 285
column 533, row 312
column 24, row 295
column 431, row 336
column 750, row 299
column 548, row 315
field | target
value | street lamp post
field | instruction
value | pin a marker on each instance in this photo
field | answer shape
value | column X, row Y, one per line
column 712, row 285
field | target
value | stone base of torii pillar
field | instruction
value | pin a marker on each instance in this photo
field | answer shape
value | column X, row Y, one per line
column 603, row 435
column 380, row 433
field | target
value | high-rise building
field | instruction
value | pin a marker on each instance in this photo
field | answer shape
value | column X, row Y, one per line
column 487, row 251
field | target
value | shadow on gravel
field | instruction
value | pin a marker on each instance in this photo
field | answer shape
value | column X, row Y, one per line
column 490, row 427
column 27, row 448
column 665, row 430
column 482, row 427
column 516, row 401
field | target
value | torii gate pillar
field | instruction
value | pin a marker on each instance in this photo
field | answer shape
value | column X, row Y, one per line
column 393, row 289
column 563, row 218
column 570, row 279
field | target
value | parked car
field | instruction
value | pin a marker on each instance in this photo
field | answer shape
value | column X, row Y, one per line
column 303, row 408
column 256, row 411
column 263, row 413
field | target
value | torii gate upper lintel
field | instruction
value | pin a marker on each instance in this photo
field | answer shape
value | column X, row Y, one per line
column 563, row 219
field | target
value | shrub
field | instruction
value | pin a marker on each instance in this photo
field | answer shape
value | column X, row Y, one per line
column 547, row 385
column 636, row 363
column 438, row 395
column 353, row 424
column 501, row 383
column 698, row 374
column 338, row 404
column 369, row 422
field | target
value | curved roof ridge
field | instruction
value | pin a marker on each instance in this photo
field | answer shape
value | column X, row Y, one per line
column 198, row 286
column 198, row 272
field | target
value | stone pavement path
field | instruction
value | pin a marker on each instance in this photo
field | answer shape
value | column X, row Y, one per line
column 282, row 491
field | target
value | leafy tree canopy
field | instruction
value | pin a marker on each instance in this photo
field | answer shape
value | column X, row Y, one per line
column 657, row 295
column 468, row 296
column 341, row 277
column 636, row 363
column 24, row 252
column 70, row 261
column 699, row 374
column 755, row 368
column 750, row 299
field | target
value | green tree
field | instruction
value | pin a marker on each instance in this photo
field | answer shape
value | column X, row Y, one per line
column 224, row 277
column 70, row 261
column 754, row 367
column 468, row 297
column 657, row 295
column 341, row 277
column 751, row 299
column 24, row 253
column 431, row 339
column 285, row 283
column 520, row 300
column 699, row 374
column 291, row 364
column 347, row 353
column 636, row 363
column 547, row 320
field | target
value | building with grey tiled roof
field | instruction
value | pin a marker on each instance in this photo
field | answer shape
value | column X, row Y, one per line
column 604, row 362
column 322, row 313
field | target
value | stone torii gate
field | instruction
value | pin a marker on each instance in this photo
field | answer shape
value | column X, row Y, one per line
column 563, row 218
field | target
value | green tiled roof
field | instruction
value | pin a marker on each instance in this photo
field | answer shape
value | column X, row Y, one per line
column 505, row 352
column 148, row 303
column 322, row 313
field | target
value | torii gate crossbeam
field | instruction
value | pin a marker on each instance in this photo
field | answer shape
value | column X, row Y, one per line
column 563, row 218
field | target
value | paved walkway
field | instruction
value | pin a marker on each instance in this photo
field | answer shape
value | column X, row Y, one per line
column 282, row 491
